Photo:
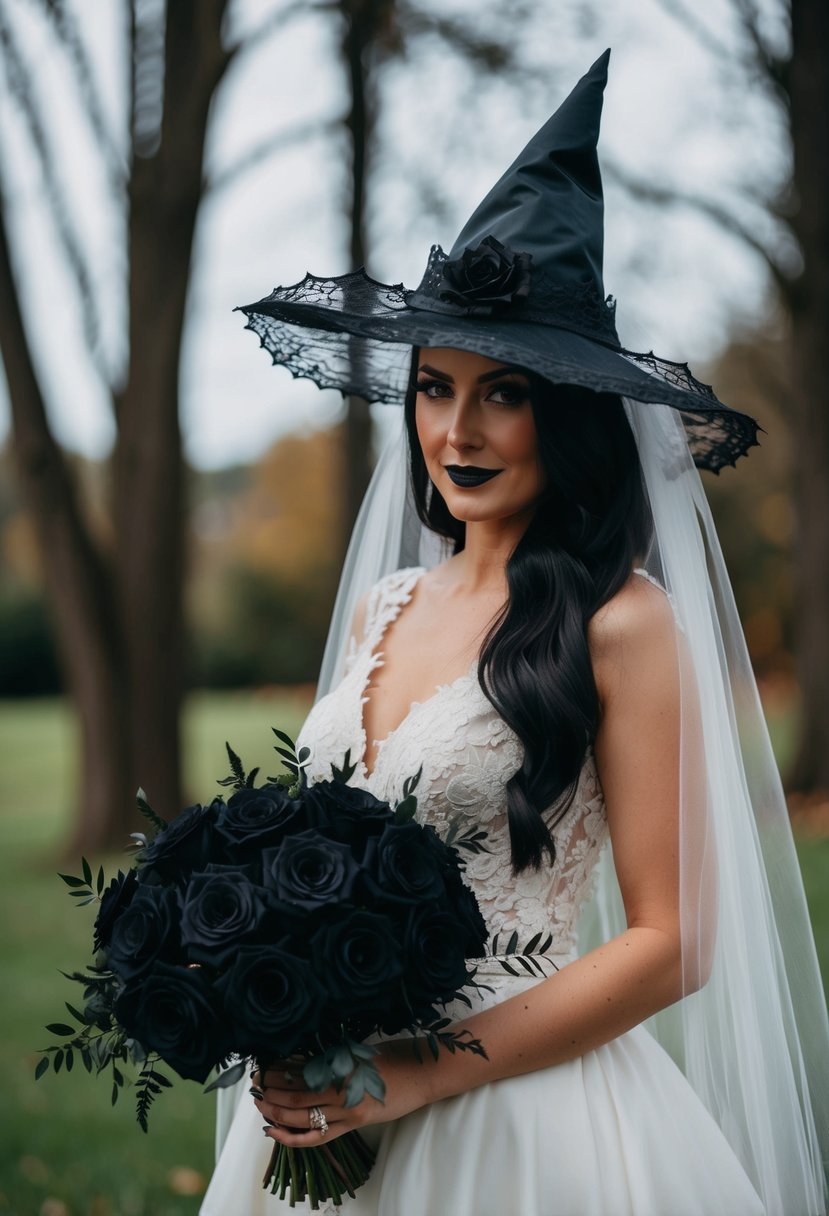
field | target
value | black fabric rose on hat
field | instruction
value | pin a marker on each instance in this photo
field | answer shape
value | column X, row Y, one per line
column 174, row 1011
column 486, row 279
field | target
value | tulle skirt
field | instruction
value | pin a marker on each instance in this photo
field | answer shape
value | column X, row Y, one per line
column 616, row 1132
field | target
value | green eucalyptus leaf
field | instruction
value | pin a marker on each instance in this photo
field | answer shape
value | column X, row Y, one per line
column 87, row 871
column 42, row 1067
column 70, row 1059
column 60, row 1028
column 251, row 777
column 405, row 809
column 283, row 738
column 227, row 1077
column 71, row 880
column 362, row 1051
column 355, row 1088
column 512, row 944
column 532, row 943
column 375, row 1085
column 101, row 880
column 317, row 1073
column 304, row 754
column 342, row 1062
column 58, row 1060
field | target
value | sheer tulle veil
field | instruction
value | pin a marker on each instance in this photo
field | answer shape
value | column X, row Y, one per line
column 751, row 1034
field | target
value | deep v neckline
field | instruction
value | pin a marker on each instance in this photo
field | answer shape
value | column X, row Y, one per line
column 375, row 658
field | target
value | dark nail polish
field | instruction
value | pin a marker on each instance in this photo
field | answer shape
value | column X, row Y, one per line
column 266, row 1128
column 256, row 1091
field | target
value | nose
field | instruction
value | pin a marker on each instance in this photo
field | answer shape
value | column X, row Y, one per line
column 463, row 430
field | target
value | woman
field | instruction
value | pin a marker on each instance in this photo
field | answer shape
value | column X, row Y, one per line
column 557, row 697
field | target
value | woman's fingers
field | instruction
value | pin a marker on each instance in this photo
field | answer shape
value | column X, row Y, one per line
column 279, row 1077
column 303, row 1118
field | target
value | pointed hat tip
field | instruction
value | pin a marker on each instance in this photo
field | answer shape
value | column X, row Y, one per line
column 599, row 68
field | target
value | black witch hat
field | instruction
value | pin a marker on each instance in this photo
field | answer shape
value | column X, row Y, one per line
column 522, row 284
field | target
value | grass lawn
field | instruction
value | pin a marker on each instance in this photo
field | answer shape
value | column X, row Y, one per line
column 63, row 1150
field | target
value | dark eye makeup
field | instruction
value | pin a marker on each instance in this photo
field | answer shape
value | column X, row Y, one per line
column 512, row 392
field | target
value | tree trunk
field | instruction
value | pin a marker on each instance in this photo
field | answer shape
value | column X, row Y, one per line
column 119, row 621
column 77, row 580
column 148, row 494
column 809, row 302
column 361, row 18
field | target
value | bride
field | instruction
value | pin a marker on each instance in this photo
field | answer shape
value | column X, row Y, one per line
column 534, row 610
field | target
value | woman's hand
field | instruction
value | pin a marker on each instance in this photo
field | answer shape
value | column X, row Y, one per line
column 286, row 1102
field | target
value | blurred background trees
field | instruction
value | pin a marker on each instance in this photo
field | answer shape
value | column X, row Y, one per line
column 127, row 579
column 116, row 590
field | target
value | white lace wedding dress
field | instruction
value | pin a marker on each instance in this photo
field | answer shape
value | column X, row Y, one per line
column 616, row 1132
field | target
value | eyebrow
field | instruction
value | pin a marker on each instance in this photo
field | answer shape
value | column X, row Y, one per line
column 508, row 370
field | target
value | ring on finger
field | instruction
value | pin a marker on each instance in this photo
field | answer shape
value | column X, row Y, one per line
column 318, row 1120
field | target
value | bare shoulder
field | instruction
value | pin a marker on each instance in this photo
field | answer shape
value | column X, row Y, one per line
column 632, row 636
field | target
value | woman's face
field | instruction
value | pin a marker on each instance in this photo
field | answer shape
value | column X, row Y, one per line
column 477, row 432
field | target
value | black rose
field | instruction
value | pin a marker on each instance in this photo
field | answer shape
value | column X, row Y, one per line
column 467, row 914
column 403, row 865
column 254, row 819
column 272, row 1000
column 435, row 962
column 220, row 908
column 346, row 812
column 145, row 931
column 183, row 846
column 361, row 959
column 309, row 870
column 487, row 278
column 114, row 900
column 174, row 1011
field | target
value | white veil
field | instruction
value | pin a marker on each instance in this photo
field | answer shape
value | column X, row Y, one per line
column 752, row 1034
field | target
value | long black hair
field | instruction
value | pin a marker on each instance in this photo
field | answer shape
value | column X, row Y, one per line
column 589, row 527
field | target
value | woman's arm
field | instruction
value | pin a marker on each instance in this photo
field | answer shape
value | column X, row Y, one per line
column 633, row 643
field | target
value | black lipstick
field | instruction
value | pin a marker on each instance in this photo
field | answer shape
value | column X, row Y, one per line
column 468, row 476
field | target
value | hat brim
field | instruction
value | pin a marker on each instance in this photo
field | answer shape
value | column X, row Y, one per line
column 356, row 335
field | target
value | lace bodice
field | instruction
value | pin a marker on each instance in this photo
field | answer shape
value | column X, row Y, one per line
column 468, row 754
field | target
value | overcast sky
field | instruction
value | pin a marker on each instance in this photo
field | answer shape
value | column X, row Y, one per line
column 674, row 113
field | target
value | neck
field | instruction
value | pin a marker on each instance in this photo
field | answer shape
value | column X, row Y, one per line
column 482, row 563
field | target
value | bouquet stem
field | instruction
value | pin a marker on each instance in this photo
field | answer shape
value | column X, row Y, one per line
column 319, row 1173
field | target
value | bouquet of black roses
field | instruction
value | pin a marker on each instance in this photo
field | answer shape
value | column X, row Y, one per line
column 292, row 920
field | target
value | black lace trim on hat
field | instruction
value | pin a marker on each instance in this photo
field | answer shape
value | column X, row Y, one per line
column 344, row 333
column 580, row 308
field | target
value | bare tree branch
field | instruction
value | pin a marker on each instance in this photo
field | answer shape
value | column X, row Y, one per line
column 66, row 28
column 276, row 22
column 266, row 148
column 773, row 67
column 670, row 196
column 18, row 77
